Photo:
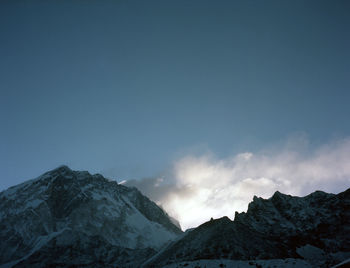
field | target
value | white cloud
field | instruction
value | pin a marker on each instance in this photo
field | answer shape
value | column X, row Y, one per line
column 205, row 186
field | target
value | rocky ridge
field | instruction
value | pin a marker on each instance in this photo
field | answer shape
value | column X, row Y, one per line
column 315, row 228
column 67, row 217
column 72, row 218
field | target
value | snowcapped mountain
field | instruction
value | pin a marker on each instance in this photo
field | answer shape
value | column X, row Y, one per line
column 315, row 228
column 67, row 217
column 72, row 218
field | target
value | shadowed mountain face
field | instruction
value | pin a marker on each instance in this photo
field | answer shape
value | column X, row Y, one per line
column 67, row 217
column 70, row 218
column 315, row 227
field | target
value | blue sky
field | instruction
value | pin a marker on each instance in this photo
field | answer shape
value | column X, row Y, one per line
column 125, row 88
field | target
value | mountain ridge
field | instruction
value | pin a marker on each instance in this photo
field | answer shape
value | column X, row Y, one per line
column 72, row 218
column 65, row 209
column 280, row 227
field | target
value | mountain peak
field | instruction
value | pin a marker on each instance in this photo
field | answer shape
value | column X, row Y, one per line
column 279, row 195
column 62, row 169
column 64, row 209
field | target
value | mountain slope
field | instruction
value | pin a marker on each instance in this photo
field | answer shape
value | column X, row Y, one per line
column 70, row 217
column 315, row 227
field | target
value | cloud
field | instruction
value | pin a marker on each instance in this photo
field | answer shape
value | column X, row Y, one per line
column 155, row 188
column 205, row 186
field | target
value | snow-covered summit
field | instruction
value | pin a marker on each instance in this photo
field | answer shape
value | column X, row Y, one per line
column 46, row 218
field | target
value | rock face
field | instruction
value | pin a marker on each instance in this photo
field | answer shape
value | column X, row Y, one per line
column 67, row 217
column 315, row 227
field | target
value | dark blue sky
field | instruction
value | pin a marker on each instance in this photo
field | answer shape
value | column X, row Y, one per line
column 125, row 87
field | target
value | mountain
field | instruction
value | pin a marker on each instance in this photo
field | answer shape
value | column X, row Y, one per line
column 72, row 218
column 315, row 228
column 68, row 218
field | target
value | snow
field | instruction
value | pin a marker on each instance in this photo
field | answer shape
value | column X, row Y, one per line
column 39, row 243
column 121, row 217
column 310, row 252
column 286, row 263
column 156, row 235
column 344, row 264
column 33, row 204
column 96, row 207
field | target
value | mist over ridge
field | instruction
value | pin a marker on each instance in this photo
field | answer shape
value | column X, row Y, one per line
column 202, row 186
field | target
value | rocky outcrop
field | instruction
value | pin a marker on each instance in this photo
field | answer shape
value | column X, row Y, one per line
column 315, row 227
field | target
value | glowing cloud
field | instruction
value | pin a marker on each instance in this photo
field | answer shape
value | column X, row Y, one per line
column 202, row 187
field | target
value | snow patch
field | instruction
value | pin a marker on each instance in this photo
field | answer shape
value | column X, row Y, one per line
column 286, row 263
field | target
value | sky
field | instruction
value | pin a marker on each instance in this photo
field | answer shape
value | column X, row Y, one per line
column 184, row 99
